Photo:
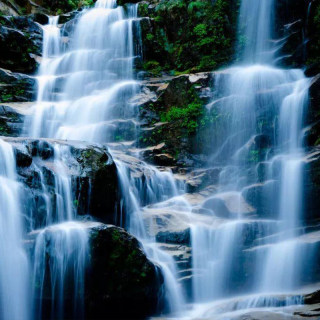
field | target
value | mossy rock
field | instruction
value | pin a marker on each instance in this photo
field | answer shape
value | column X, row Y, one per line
column 120, row 275
column 16, row 87
column 186, row 35
column 14, row 47
column 97, row 183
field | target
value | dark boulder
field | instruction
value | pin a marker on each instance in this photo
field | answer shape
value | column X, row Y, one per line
column 20, row 43
column 115, row 273
column 90, row 168
column 312, row 121
column 120, row 275
column 264, row 198
column 312, row 298
column 16, row 87
column 97, row 183
column 173, row 112
column 311, row 185
column 15, row 51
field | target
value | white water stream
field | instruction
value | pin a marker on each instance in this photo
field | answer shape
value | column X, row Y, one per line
column 84, row 94
column 85, row 86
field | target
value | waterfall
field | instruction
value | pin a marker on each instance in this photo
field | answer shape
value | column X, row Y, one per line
column 256, row 30
column 86, row 82
column 85, row 90
column 14, row 267
column 262, row 105
column 68, row 247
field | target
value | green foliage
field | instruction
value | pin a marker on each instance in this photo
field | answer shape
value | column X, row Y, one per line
column 188, row 116
column 200, row 30
column 143, row 10
column 190, row 35
column 63, row 6
column 153, row 67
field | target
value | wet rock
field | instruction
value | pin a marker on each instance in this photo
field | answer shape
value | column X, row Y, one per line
column 120, row 275
column 12, row 118
column 117, row 273
column 97, row 183
column 39, row 17
column 14, row 47
column 201, row 178
column 259, row 195
column 167, row 226
column 312, row 298
column 183, row 259
column 7, row 9
column 20, row 43
column 16, row 87
column 92, row 173
column 42, row 149
column 66, row 17
column 181, row 237
column 311, row 185
column 175, row 93
column 23, row 157
column 229, row 205
column 254, row 150
column 164, row 159
column 312, row 131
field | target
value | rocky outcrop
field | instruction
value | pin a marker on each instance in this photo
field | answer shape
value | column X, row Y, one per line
column 97, row 183
column 16, row 87
column 312, row 121
column 120, row 275
column 117, row 273
column 12, row 117
column 178, row 122
column 186, row 35
column 20, row 42
column 90, row 168
column 311, row 185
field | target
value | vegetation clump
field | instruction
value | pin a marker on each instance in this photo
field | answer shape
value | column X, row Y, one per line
column 188, row 36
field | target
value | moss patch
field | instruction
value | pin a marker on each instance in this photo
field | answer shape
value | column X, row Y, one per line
column 188, row 35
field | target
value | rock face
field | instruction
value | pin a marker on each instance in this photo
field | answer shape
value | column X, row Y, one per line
column 97, row 183
column 186, row 35
column 312, row 132
column 91, row 170
column 16, row 87
column 120, row 275
column 20, row 41
column 177, row 120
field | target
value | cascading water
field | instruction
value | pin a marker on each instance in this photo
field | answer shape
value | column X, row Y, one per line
column 69, row 250
column 14, row 267
column 249, row 97
column 84, row 94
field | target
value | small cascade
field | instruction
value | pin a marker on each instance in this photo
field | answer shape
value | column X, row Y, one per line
column 156, row 187
column 68, row 246
column 84, row 89
column 14, row 267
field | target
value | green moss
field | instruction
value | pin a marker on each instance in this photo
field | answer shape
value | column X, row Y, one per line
column 62, row 6
column 143, row 9
column 187, row 116
column 153, row 67
column 190, row 35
